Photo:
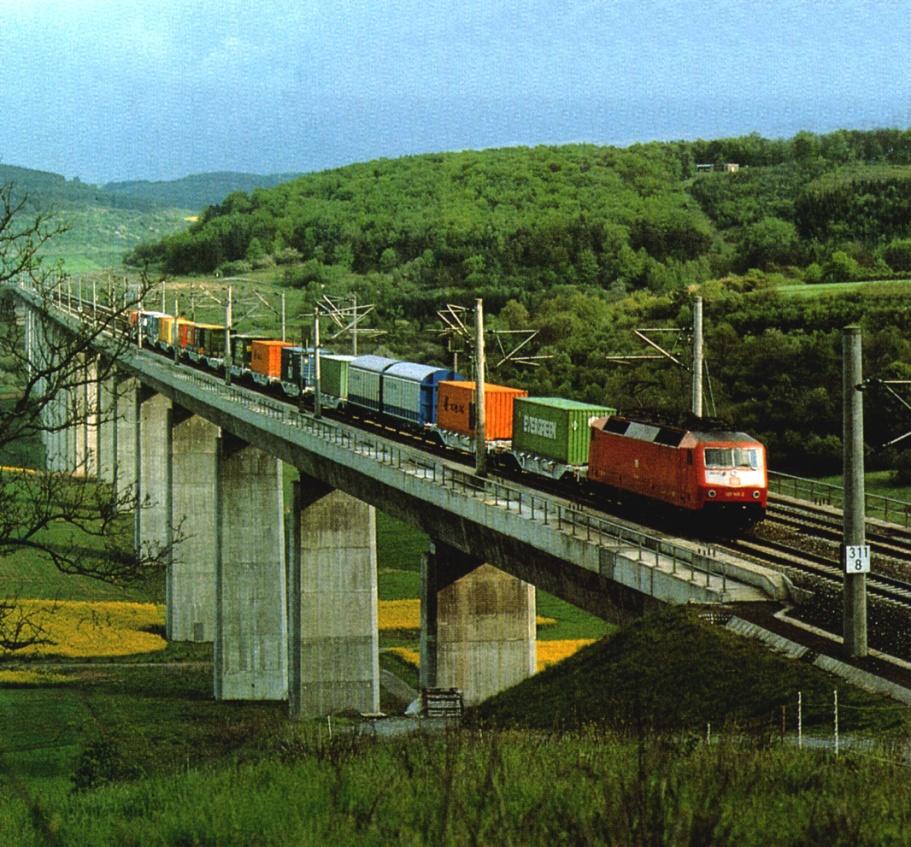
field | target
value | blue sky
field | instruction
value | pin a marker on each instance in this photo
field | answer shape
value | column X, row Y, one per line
column 115, row 89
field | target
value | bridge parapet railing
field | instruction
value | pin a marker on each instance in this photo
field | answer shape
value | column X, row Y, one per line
column 568, row 518
column 889, row 509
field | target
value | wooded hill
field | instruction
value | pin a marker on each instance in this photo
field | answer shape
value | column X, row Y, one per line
column 586, row 243
column 638, row 217
column 103, row 222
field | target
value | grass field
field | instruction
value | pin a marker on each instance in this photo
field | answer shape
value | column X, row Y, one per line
column 892, row 287
column 588, row 788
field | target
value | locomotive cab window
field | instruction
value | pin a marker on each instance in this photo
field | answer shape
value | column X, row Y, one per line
column 732, row 457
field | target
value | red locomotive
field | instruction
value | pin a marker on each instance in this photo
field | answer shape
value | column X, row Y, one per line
column 714, row 472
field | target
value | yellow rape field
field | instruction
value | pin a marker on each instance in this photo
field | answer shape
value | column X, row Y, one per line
column 548, row 652
column 551, row 652
column 406, row 614
column 81, row 628
column 400, row 614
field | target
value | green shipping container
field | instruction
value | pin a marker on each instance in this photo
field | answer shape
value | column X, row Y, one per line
column 555, row 428
column 333, row 375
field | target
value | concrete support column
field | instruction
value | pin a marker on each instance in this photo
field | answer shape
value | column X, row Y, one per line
column 91, row 417
column 85, row 419
column 107, row 428
column 70, row 433
column 251, row 647
column 153, row 452
column 125, row 436
column 332, row 587
column 191, row 571
column 57, row 435
column 477, row 626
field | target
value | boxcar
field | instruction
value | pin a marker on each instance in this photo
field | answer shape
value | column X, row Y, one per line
column 210, row 340
column 365, row 385
column 409, row 391
column 334, row 375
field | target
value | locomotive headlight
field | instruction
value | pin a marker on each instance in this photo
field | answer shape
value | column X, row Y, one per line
column 755, row 495
column 712, row 492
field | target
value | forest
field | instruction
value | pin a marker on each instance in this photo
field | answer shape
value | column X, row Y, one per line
column 586, row 243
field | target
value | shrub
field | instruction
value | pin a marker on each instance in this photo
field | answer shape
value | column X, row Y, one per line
column 100, row 763
column 813, row 273
column 840, row 268
column 233, row 268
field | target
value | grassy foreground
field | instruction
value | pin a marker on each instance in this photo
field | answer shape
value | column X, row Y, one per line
column 130, row 755
column 590, row 787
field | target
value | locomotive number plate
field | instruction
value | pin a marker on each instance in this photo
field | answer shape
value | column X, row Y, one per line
column 857, row 558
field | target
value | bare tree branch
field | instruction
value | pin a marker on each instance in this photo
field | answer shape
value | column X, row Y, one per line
column 75, row 522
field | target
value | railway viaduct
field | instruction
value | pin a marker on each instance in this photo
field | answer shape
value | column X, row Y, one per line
column 289, row 597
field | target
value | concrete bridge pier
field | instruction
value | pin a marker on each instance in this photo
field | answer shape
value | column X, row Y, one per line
column 190, row 584
column 53, row 437
column 152, row 527
column 332, row 586
column 85, row 417
column 124, row 435
column 36, row 347
column 107, row 409
column 251, row 633
column 477, row 626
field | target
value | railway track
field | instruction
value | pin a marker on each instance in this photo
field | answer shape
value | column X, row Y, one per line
column 818, row 566
column 825, row 523
column 807, row 520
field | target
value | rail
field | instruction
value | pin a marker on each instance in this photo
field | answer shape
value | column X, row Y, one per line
column 889, row 509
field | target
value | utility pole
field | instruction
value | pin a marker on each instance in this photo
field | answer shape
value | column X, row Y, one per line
column 283, row 316
column 175, row 332
column 228, row 356
column 479, row 404
column 354, row 325
column 317, row 401
column 697, row 357
column 855, row 552
column 300, row 376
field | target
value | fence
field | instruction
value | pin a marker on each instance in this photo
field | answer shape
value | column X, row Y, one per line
column 887, row 509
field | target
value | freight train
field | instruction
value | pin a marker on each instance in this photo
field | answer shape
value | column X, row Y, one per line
column 710, row 472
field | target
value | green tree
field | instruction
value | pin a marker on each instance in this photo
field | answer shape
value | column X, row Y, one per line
column 771, row 241
column 840, row 267
column 389, row 260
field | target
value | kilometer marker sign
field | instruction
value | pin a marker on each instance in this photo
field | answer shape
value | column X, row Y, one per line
column 857, row 558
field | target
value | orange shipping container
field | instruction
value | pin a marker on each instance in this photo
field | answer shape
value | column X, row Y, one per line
column 455, row 408
column 267, row 357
